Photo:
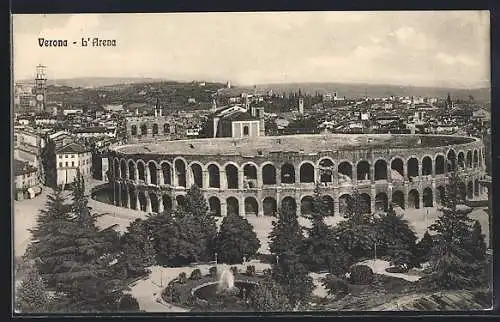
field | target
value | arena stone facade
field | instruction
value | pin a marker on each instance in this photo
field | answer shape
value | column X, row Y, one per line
column 411, row 177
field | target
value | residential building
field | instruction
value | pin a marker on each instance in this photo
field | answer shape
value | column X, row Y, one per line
column 71, row 158
column 27, row 184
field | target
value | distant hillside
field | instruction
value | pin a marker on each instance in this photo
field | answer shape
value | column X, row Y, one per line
column 371, row 90
column 93, row 82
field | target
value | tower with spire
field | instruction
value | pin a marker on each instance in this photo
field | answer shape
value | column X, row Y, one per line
column 449, row 102
column 158, row 108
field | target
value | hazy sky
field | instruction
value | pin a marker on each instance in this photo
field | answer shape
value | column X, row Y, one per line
column 446, row 48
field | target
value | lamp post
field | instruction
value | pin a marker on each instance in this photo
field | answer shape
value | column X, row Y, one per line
column 277, row 260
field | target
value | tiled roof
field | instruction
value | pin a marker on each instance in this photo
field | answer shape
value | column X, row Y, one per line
column 72, row 148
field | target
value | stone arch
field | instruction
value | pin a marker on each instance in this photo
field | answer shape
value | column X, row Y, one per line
column 153, row 172
column 180, row 200
column 269, row 206
column 469, row 159
column 475, row 159
column 250, row 175
column 329, row 205
column 166, row 128
column 363, row 170
column 427, row 166
column 476, row 187
column 412, row 167
column 214, row 205
column 398, row 198
column 123, row 169
column 345, row 172
column 269, row 174
column 116, row 168
column 413, row 199
column 144, row 129
column 451, row 162
column 124, row 194
column 380, row 170
column 155, row 206
column 381, row 201
column 180, row 172
column 307, row 173
column 251, row 206
column 232, row 176
column 142, row 201
column 344, row 201
column 326, row 170
column 365, row 200
column 213, row 175
column 289, row 202
column 133, row 197
column 306, row 205
column 441, row 194
column 167, row 202
column 233, row 206
column 166, row 170
column 287, row 173
column 439, row 164
column 461, row 160
column 427, row 197
column 133, row 130
column 397, row 169
column 131, row 170
column 197, row 174
column 470, row 190
column 141, row 170
column 462, row 191
column 155, row 129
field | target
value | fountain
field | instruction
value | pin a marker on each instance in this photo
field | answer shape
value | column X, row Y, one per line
column 225, row 280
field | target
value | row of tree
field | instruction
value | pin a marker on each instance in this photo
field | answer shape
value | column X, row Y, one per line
column 456, row 251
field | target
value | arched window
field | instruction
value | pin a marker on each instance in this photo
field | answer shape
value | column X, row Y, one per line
column 245, row 130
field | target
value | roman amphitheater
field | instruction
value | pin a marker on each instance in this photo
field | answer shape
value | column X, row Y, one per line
column 254, row 176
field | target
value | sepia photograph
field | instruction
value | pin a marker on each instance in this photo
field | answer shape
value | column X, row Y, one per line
column 251, row 162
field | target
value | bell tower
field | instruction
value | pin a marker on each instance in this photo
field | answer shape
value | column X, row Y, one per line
column 40, row 88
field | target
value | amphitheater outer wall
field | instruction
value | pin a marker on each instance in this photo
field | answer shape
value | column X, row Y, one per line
column 257, row 185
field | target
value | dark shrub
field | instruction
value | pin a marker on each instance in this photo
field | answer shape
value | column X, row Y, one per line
column 128, row 303
column 335, row 285
column 212, row 271
column 172, row 293
column 361, row 274
column 182, row 278
column 234, row 270
column 250, row 270
column 195, row 275
column 267, row 272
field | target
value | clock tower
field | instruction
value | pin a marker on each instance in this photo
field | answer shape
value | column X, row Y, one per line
column 40, row 88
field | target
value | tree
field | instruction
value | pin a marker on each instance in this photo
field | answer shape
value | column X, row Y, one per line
column 236, row 239
column 48, row 157
column 197, row 206
column 269, row 297
column 322, row 248
column 476, row 244
column 294, row 277
column 358, row 232
column 32, row 295
column 452, row 264
column 137, row 249
column 424, row 248
column 396, row 238
column 53, row 224
column 286, row 234
column 128, row 303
